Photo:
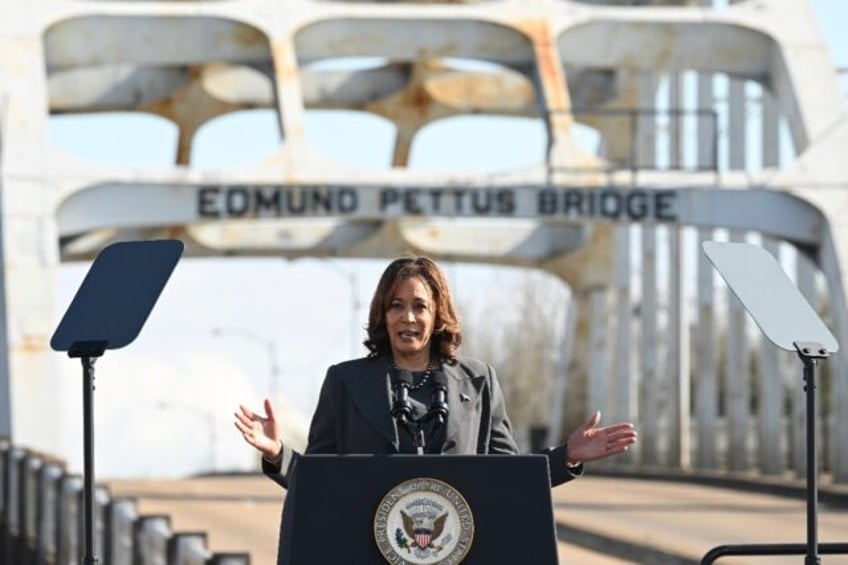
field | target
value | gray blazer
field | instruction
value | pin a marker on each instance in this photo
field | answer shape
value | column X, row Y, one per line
column 354, row 416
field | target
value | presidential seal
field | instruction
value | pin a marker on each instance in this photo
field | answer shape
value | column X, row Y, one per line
column 423, row 521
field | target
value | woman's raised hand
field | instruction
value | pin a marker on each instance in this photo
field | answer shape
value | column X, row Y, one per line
column 262, row 432
column 590, row 442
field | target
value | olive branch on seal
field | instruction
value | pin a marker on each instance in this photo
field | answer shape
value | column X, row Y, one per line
column 405, row 543
column 402, row 540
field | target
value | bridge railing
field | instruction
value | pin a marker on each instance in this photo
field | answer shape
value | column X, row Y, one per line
column 41, row 521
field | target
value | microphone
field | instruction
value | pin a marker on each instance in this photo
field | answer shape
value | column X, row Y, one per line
column 401, row 383
column 439, row 398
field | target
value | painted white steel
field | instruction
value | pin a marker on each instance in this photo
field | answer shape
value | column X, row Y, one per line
column 677, row 370
column 101, row 56
column 649, row 348
column 706, row 363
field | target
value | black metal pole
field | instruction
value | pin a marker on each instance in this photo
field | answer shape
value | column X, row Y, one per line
column 812, row 471
column 88, row 459
column 810, row 353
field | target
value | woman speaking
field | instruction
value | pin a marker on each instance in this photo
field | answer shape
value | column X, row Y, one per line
column 384, row 403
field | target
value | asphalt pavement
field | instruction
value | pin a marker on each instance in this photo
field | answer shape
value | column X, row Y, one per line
column 601, row 520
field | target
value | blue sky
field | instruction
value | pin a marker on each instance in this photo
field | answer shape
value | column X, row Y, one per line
column 306, row 308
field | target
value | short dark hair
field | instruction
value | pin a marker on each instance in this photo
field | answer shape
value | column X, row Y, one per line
column 446, row 336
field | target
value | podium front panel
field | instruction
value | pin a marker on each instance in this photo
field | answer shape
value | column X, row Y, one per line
column 330, row 509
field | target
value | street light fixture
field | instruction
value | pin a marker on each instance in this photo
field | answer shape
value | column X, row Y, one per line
column 356, row 304
column 209, row 418
column 270, row 347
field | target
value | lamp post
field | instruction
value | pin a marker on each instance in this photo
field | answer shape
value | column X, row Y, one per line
column 208, row 417
column 270, row 347
column 355, row 303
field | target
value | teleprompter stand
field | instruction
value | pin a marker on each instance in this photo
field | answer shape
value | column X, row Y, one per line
column 107, row 312
column 788, row 321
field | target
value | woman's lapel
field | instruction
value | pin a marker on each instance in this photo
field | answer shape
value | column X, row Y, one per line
column 370, row 391
column 464, row 406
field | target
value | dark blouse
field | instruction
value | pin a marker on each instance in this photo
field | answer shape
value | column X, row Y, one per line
column 434, row 435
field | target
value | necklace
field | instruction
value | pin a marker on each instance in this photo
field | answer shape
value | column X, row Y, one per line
column 423, row 380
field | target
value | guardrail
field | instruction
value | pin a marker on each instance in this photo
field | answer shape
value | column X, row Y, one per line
column 41, row 521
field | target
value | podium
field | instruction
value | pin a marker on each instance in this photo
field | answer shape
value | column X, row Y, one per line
column 417, row 509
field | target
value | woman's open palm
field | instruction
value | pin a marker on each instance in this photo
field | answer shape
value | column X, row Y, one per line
column 589, row 442
column 262, row 432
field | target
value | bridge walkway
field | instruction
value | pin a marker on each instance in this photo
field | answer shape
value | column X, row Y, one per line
column 601, row 520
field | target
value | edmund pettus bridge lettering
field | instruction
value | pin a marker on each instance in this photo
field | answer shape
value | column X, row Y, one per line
column 269, row 201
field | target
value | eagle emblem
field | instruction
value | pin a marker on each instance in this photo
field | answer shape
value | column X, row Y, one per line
column 422, row 522
column 424, row 530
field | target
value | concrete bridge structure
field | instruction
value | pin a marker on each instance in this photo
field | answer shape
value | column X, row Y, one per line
column 676, row 166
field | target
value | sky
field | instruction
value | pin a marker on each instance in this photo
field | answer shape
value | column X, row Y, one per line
column 223, row 327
